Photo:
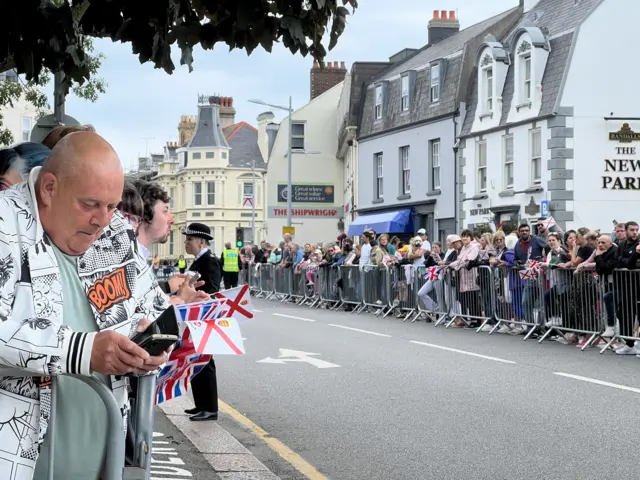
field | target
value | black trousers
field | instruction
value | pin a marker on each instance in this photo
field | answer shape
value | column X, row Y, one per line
column 230, row 279
column 204, row 387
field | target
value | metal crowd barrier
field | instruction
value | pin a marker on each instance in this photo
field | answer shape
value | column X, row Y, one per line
column 143, row 416
column 548, row 303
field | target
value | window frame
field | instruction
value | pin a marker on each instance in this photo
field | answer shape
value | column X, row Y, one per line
column 208, row 192
column 481, row 146
column 197, row 194
column 26, row 131
column 404, row 92
column 171, row 243
column 434, row 86
column 172, row 199
column 535, row 159
column 378, row 164
column 196, row 156
column 209, row 155
column 488, row 89
column 244, row 192
column 298, row 136
column 506, row 164
column 378, row 101
column 405, row 170
column 527, row 90
column 435, row 164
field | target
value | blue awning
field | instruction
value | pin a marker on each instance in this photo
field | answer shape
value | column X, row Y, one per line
column 399, row 221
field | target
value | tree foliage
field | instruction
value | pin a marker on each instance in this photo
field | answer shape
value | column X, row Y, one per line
column 51, row 34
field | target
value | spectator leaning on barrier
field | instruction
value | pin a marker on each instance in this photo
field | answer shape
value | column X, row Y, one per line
column 606, row 260
column 620, row 232
column 365, row 249
column 75, row 247
column 422, row 233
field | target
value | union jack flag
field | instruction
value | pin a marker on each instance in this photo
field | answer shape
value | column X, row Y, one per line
column 183, row 365
column 201, row 311
column 432, row 273
column 527, row 273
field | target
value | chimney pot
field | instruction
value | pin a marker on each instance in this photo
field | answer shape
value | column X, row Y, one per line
column 328, row 65
column 231, row 101
column 443, row 14
column 452, row 14
column 436, row 14
column 335, row 65
column 315, row 64
column 343, row 65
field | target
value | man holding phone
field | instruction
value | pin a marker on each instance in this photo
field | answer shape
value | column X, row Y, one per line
column 204, row 385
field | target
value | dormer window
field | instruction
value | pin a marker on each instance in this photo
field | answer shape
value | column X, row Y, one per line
column 405, row 93
column 377, row 110
column 434, row 90
column 488, row 82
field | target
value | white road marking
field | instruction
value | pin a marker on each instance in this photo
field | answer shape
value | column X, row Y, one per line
column 598, row 382
column 455, row 350
column 257, row 311
column 294, row 318
column 298, row 356
column 171, row 465
column 359, row 330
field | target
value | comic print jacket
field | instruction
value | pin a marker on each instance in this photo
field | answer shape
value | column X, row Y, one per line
column 121, row 291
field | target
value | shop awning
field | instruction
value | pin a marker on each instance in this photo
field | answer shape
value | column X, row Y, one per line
column 399, row 221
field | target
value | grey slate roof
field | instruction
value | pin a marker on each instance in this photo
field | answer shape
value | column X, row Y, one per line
column 208, row 131
column 558, row 19
column 455, row 81
column 243, row 140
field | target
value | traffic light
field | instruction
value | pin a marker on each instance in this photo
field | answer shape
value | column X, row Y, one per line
column 239, row 237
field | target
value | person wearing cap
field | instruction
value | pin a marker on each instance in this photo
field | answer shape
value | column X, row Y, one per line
column 204, row 385
column 426, row 245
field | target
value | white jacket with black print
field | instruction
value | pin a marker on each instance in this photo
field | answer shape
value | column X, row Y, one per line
column 121, row 291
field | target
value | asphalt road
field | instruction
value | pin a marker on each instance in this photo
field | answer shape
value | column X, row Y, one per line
column 174, row 456
column 454, row 405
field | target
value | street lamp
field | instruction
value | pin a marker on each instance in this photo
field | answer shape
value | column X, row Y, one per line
column 289, row 155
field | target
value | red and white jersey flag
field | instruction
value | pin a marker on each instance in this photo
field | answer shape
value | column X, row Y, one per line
column 212, row 331
column 238, row 302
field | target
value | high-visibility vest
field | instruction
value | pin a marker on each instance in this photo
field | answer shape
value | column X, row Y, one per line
column 182, row 263
column 230, row 258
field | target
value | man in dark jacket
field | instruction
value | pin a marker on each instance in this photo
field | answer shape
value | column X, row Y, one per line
column 204, row 385
column 529, row 247
column 625, row 285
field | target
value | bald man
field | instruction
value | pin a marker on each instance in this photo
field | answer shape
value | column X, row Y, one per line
column 70, row 296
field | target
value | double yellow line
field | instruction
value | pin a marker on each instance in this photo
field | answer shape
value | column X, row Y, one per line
column 276, row 445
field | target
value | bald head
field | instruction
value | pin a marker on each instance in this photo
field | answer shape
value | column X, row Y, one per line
column 604, row 242
column 80, row 153
column 78, row 189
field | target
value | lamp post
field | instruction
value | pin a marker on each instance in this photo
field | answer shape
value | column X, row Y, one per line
column 289, row 153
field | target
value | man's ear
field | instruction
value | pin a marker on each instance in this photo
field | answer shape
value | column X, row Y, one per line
column 47, row 187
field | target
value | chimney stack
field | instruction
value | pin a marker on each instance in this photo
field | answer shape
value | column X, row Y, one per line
column 442, row 25
column 324, row 79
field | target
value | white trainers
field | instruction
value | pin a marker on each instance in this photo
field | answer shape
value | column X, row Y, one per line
column 487, row 328
column 504, row 329
column 609, row 332
column 627, row 350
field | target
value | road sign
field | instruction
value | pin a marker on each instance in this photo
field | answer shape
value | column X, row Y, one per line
column 289, row 230
column 544, row 208
column 291, row 356
column 247, row 202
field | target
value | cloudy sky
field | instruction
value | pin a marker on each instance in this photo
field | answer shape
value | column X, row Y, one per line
column 142, row 106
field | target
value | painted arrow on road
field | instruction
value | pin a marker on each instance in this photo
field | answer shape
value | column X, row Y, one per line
column 298, row 356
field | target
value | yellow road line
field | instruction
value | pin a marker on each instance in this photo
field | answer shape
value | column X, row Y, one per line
column 276, row 445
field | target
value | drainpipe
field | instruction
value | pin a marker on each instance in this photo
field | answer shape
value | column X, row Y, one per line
column 456, row 177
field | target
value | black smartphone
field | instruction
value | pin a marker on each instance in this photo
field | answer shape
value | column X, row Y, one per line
column 155, row 344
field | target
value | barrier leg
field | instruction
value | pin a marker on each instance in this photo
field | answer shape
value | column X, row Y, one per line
column 52, row 420
column 144, row 418
column 114, row 462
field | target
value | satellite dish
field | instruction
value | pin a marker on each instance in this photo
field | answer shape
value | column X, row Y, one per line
column 48, row 123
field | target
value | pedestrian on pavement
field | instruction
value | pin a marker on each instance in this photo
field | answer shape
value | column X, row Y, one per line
column 204, row 385
column 74, row 246
column 231, row 264
column 181, row 264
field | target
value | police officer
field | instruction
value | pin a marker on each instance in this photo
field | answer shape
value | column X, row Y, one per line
column 205, row 384
column 230, row 266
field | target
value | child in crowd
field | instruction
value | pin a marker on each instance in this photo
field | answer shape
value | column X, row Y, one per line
column 312, row 266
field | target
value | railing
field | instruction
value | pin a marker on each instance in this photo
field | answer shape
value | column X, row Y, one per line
column 542, row 303
column 142, row 414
